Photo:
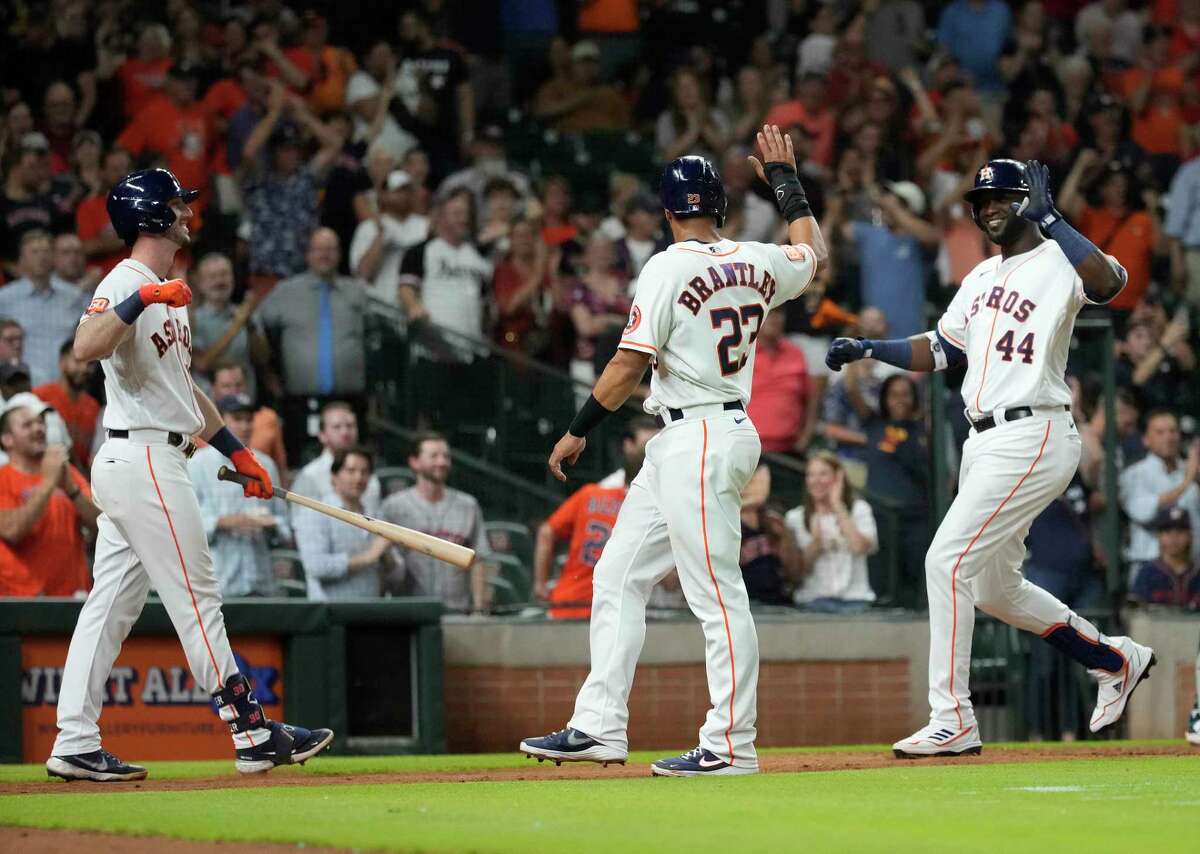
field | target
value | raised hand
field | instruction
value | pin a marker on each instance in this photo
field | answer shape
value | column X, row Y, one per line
column 1038, row 204
column 844, row 351
column 174, row 293
column 776, row 147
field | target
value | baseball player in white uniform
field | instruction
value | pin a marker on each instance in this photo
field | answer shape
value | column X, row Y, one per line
column 697, row 310
column 1011, row 322
column 150, row 530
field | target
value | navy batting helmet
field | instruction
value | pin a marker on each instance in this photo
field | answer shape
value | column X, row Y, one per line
column 691, row 186
column 1006, row 176
column 141, row 201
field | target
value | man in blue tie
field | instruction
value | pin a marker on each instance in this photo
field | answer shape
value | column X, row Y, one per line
column 315, row 324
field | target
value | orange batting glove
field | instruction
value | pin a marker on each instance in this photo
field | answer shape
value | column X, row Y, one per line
column 174, row 293
column 259, row 485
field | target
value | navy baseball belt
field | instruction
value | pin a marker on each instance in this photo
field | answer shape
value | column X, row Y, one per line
column 679, row 414
column 1014, row 414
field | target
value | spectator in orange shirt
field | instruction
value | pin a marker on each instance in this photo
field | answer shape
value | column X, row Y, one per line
column 1117, row 225
column 328, row 67
column 586, row 519
column 103, row 248
column 44, row 502
column 779, row 396
column 69, row 398
column 175, row 126
column 142, row 76
column 1153, row 92
column 582, row 102
column 810, row 110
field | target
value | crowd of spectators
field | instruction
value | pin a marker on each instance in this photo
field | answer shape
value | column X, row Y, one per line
column 400, row 161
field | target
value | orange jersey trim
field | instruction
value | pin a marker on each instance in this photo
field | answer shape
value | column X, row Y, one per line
column 720, row 599
column 958, row 563
column 735, row 248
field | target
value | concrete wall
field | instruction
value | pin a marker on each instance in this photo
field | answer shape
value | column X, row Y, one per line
column 1160, row 707
column 823, row 680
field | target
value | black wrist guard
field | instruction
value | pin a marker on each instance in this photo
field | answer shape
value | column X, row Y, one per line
column 789, row 195
column 589, row 415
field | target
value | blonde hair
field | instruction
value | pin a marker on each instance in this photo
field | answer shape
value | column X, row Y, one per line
column 834, row 462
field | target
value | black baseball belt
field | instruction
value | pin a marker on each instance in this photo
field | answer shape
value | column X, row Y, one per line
column 177, row 440
column 1014, row 414
column 679, row 414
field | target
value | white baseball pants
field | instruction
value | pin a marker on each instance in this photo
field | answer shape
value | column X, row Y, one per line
column 683, row 510
column 150, row 534
column 1009, row 474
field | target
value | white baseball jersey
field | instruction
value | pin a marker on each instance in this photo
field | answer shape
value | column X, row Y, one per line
column 697, row 310
column 147, row 377
column 1013, row 318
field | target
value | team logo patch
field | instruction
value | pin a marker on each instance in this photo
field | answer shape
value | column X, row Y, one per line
column 97, row 306
column 693, row 198
column 635, row 320
column 794, row 253
column 985, row 174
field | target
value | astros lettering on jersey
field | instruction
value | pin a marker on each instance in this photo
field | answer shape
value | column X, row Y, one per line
column 152, row 362
column 697, row 311
column 1013, row 319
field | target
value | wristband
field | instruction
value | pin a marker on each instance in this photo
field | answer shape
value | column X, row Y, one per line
column 896, row 352
column 1073, row 244
column 130, row 308
column 590, row 414
column 789, row 194
column 226, row 442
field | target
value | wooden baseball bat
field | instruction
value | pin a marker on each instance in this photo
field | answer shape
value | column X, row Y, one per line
column 451, row 553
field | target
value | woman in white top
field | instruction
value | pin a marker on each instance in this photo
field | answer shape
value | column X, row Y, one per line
column 836, row 532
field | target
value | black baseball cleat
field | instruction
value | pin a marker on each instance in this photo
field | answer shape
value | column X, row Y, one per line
column 99, row 766
column 570, row 745
column 287, row 745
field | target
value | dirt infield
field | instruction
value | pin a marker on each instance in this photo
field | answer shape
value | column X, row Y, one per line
column 771, row 763
column 33, row 841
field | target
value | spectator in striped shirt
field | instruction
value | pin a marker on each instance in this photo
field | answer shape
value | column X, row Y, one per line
column 341, row 561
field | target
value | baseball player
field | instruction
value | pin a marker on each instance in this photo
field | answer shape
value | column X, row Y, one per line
column 150, row 532
column 697, row 310
column 1011, row 323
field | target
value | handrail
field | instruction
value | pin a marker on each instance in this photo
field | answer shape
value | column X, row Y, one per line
column 452, row 336
column 471, row 461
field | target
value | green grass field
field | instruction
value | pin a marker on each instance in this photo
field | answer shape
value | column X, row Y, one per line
column 1126, row 804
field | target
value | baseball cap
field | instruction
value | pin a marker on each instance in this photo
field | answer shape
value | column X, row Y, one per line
column 585, row 50
column 1173, row 519
column 235, row 403
column 910, row 194
column 35, row 141
column 12, row 370
column 29, row 400
column 398, row 179
column 492, row 133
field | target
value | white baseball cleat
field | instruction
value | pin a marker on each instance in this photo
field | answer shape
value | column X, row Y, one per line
column 937, row 739
column 1116, row 688
column 1193, row 730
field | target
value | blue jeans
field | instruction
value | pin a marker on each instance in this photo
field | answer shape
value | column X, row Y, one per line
column 829, row 605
